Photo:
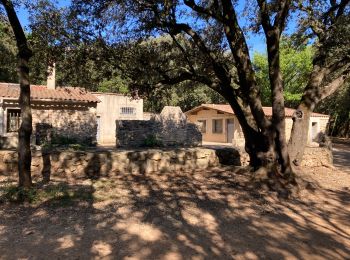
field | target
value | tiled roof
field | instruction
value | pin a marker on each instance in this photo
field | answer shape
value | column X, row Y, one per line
column 38, row 92
column 227, row 109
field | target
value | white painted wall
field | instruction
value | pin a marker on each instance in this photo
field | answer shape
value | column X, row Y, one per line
column 2, row 120
column 109, row 110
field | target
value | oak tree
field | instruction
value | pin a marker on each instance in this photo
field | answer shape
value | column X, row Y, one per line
column 214, row 35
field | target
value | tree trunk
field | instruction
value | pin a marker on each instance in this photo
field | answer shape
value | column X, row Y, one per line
column 265, row 151
column 299, row 135
column 263, row 147
column 25, row 130
column 278, row 127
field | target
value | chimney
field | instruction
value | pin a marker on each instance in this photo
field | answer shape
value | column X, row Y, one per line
column 51, row 76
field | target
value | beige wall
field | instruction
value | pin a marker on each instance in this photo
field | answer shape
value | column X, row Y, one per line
column 109, row 110
column 321, row 126
column 238, row 139
column 209, row 115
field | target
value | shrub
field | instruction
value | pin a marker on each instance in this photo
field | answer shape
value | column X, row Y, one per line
column 152, row 141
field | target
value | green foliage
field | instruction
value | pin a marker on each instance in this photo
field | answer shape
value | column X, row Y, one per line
column 338, row 107
column 77, row 147
column 186, row 95
column 296, row 66
column 115, row 85
column 152, row 141
column 65, row 141
column 8, row 50
column 60, row 194
column 98, row 66
column 157, row 68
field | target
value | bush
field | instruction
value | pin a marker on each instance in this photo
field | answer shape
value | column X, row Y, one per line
column 63, row 140
column 152, row 141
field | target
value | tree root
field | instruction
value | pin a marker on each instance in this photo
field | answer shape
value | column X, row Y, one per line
column 273, row 180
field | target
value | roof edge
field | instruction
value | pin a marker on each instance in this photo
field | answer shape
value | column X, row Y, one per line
column 212, row 106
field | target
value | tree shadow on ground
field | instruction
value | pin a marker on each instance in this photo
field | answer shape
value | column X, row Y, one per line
column 212, row 214
column 341, row 154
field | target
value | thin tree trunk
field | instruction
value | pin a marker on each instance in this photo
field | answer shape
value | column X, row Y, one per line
column 301, row 118
column 25, row 130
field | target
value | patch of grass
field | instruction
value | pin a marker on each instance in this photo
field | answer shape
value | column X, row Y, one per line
column 105, row 189
column 54, row 194
column 77, row 147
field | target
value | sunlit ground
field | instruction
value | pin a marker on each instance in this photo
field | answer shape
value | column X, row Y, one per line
column 214, row 214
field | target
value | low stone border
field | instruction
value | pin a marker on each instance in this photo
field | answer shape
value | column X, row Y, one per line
column 103, row 163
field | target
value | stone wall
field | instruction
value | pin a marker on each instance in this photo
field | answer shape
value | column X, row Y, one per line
column 76, row 122
column 79, row 164
column 106, row 163
column 313, row 157
column 169, row 128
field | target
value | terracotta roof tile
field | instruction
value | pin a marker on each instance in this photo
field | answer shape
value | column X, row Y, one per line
column 267, row 110
column 39, row 92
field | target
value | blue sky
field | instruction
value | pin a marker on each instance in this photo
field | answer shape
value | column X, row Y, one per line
column 255, row 42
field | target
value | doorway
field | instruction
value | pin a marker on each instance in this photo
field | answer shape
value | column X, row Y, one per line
column 98, row 132
column 230, row 130
column 314, row 131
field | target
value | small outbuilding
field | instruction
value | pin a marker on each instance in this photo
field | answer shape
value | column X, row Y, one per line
column 115, row 106
column 69, row 112
column 219, row 123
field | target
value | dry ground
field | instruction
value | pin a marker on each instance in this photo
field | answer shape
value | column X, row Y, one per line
column 214, row 214
column 341, row 153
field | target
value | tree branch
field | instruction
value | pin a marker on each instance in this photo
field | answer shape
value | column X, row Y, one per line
column 264, row 15
column 246, row 75
column 338, row 8
column 316, row 26
column 167, row 80
column 211, row 11
column 282, row 14
column 333, row 86
column 182, row 49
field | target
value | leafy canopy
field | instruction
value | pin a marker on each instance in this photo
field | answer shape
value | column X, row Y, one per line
column 296, row 66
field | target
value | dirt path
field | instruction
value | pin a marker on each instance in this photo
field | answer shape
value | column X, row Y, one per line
column 214, row 214
column 341, row 154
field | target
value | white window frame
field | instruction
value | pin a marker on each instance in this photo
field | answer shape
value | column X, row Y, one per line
column 6, row 119
column 127, row 111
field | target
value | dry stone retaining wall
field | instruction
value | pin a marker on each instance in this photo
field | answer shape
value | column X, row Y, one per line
column 106, row 163
column 79, row 164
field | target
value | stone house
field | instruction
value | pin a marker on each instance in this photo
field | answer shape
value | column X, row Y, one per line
column 114, row 106
column 69, row 113
column 219, row 123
